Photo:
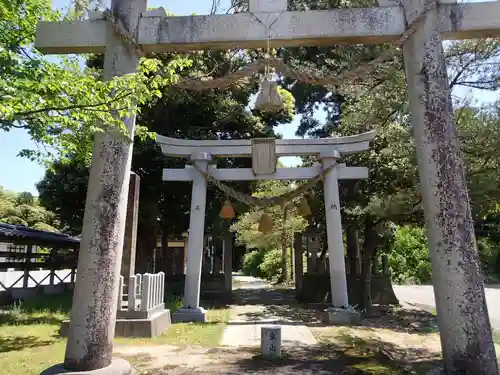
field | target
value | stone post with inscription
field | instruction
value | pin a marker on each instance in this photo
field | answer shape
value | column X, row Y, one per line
column 131, row 222
column 95, row 298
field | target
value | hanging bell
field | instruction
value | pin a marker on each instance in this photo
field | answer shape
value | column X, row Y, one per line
column 303, row 208
column 227, row 211
column 269, row 98
column 265, row 223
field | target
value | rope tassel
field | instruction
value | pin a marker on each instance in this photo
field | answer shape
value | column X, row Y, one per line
column 303, row 208
column 265, row 223
column 227, row 211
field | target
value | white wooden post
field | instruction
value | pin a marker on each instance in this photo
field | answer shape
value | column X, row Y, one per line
column 153, row 291
column 146, row 292
column 162, row 287
column 192, row 309
column 120, row 294
column 132, row 289
column 338, row 281
column 157, row 287
column 139, row 284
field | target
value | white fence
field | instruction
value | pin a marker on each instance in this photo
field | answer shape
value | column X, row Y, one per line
column 145, row 292
column 35, row 278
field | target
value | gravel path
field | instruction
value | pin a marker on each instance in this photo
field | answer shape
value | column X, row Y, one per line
column 257, row 306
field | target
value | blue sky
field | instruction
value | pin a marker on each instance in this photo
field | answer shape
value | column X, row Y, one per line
column 20, row 174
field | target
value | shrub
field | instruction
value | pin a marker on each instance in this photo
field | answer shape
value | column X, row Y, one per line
column 265, row 264
column 173, row 303
column 488, row 253
column 271, row 264
column 251, row 263
column 409, row 259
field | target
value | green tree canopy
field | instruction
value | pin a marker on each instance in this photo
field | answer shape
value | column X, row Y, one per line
column 15, row 208
column 284, row 224
column 57, row 102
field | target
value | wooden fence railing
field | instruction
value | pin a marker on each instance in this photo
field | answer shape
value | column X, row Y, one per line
column 145, row 293
column 34, row 269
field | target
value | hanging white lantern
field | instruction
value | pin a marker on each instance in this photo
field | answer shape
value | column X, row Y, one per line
column 269, row 98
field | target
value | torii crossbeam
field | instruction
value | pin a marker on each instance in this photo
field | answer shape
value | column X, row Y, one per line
column 159, row 33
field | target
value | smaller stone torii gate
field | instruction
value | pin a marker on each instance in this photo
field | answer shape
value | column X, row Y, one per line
column 265, row 152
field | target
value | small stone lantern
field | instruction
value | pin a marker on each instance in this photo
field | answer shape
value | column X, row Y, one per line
column 313, row 246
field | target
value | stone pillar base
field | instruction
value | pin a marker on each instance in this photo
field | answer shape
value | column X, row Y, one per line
column 117, row 367
column 151, row 327
column 343, row 317
column 190, row 315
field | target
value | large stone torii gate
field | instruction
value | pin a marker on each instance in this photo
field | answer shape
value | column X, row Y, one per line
column 462, row 314
column 201, row 153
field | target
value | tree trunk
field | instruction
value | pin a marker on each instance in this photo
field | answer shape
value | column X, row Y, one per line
column 369, row 248
column 146, row 243
column 324, row 247
column 353, row 253
column 284, row 271
column 497, row 266
column 284, row 265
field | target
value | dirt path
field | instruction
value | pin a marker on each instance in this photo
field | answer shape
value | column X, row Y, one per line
column 256, row 308
column 396, row 342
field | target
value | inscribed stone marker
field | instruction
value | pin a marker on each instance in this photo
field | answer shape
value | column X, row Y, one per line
column 130, row 238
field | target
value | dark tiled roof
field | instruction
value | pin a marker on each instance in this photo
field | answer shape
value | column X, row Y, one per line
column 12, row 233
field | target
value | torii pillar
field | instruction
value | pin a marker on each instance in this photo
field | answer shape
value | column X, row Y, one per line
column 339, row 313
column 192, row 311
column 93, row 316
column 458, row 285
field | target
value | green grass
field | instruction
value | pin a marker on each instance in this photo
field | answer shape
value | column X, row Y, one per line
column 369, row 356
column 183, row 334
column 496, row 339
column 30, row 342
